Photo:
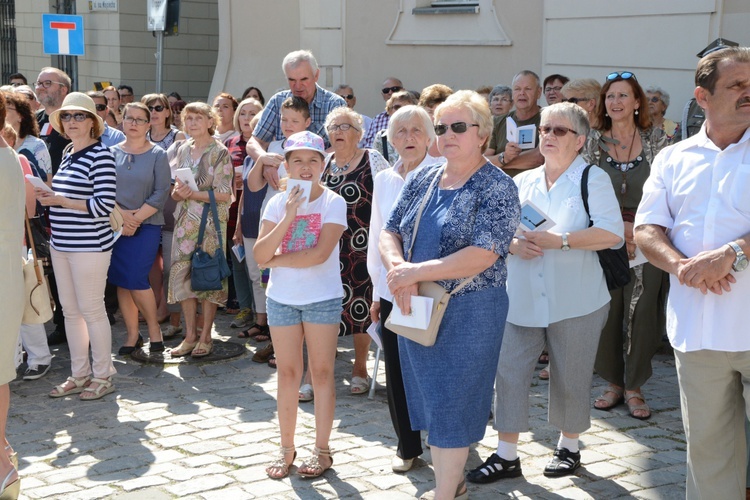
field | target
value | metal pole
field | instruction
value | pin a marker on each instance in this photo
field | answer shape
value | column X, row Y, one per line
column 159, row 59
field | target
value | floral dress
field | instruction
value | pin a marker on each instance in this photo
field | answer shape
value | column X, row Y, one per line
column 212, row 171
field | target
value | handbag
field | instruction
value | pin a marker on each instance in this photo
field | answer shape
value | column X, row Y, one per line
column 115, row 218
column 40, row 238
column 615, row 263
column 37, row 307
column 207, row 272
column 440, row 296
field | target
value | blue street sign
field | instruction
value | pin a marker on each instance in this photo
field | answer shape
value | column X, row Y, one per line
column 62, row 35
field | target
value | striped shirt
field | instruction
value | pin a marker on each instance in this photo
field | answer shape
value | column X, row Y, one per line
column 88, row 175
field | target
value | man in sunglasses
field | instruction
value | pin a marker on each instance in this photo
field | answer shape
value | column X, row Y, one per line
column 347, row 93
column 508, row 155
column 110, row 136
column 390, row 86
column 694, row 223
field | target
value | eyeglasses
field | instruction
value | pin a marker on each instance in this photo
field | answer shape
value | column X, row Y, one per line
column 348, row 97
column 343, row 127
column 389, row 90
column 158, row 108
column 550, row 89
column 101, row 107
column 558, row 131
column 623, row 75
column 79, row 117
column 655, row 99
column 458, row 127
column 46, row 84
column 137, row 121
column 576, row 100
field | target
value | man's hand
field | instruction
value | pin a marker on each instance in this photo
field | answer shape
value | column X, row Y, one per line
column 708, row 271
column 269, row 163
column 512, row 150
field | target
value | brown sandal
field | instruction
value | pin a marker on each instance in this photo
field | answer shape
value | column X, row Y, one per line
column 634, row 407
column 312, row 467
column 280, row 464
column 612, row 396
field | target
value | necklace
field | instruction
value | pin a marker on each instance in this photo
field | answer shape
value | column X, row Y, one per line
column 336, row 170
column 627, row 165
column 463, row 177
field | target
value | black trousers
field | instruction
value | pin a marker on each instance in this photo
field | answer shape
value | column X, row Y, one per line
column 409, row 440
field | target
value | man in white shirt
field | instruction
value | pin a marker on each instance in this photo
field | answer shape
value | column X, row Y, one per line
column 694, row 222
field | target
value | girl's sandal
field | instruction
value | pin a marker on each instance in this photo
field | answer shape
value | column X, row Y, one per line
column 312, row 467
column 279, row 469
column 78, row 384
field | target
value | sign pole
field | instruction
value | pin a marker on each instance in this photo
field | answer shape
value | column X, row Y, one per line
column 159, row 59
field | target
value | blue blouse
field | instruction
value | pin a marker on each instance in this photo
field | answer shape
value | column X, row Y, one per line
column 485, row 213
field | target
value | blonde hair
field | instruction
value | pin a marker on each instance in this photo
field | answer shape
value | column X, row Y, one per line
column 477, row 106
column 250, row 100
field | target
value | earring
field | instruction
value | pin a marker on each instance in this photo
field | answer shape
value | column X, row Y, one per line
column 606, row 115
column 636, row 112
column 91, row 133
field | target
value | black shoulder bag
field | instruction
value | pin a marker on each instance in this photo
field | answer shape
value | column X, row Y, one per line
column 207, row 272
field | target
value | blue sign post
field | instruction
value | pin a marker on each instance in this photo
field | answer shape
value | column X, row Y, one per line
column 62, row 35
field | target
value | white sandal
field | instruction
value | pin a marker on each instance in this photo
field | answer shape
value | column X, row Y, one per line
column 104, row 387
column 306, row 393
column 360, row 385
column 79, row 384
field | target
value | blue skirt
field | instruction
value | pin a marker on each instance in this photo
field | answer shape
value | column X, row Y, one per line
column 132, row 258
column 449, row 386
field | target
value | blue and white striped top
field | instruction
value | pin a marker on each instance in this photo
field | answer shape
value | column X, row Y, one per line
column 88, row 175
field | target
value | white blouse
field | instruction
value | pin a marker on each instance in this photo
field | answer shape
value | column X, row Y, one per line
column 561, row 285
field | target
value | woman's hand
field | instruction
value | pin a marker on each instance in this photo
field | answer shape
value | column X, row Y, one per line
column 238, row 181
column 630, row 240
column 293, row 202
column 375, row 312
column 402, row 297
column 237, row 238
column 544, row 240
column 129, row 223
column 48, row 199
column 181, row 192
column 525, row 249
column 402, row 275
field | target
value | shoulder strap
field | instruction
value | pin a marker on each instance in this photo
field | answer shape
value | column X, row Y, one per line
column 30, row 243
column 215, row 213
column 384, row 142
column 585, row 192
column 425, row 199
column 204, row 219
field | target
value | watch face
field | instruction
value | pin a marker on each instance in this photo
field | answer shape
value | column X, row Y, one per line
column 740, row 264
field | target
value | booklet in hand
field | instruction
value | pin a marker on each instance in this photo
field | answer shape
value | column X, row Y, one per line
column 186, row 176
column 524, row 136
column 534, row 219
column 304, row 186
column 421, row 313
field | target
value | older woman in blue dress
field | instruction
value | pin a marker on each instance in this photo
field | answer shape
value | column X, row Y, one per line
column 559, row 296
column 470, row 216
column 411, row 132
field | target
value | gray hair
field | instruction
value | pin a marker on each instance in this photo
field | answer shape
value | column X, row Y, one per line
column 63, row 76
column 355, row 117
column 294, row 59
column 500, row 90
column 408, row 113
column 342, row 86
column 528, row 72
column 573, row 113
column 655, row 89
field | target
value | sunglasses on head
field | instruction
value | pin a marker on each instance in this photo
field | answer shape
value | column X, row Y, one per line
column 79, row 117
column 458, row 127
column 622, row 75
column 158, row 108
column 558, row 131
column 388, row 90
column 101, row 107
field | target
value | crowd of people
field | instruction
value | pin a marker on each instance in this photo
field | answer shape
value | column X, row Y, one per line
column 330, row 222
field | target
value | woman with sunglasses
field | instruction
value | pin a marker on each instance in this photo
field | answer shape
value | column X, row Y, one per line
column 82, row 239
column 349, row 172
column 559, row 296
column 624, row 145
column 143, row 183
column 161, row 132
column 658, row 102
column 470, row 212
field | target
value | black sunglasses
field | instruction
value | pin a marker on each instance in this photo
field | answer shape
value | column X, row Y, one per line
column 101, row 107
column 458, row 127
column 655, row 99
column 388, row 90
column 79, row 117
column 348, row 97
column 558, row 131
column 576, row 100
column 622, row 75
column 158, row 108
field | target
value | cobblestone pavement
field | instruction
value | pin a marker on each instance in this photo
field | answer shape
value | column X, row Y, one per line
column 207, row 431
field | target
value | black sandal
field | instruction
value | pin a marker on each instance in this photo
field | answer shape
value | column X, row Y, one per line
column 262, row 333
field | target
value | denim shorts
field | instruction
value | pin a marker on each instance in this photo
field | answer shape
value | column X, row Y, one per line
column 327, row 312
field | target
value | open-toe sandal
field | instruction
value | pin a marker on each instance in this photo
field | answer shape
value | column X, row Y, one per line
column 260, row 333
column 279, row 469
column 306, row 393
column 611, row 397
column 10, row 488
column 203, row 349
column 78, row 385
column 312, row 467
column 634, row 407
column 461, row 493
column 103, row 387
column 183, row 349
column 360, row 385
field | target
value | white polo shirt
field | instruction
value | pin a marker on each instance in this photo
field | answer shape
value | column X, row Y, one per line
column 702, row 195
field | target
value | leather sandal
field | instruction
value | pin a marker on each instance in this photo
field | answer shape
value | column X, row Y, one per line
column 183, row 349
column 611, row 397
column 264, row 354
column 78, row 385
column 203, row 349
column 280, row 464
column 462, row 493
column 103, row 387
column 10, row 488
column 634, row 407
column 312, row 467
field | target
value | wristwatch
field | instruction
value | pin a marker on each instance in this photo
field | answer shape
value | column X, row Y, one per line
column 740, row 261
column 565, row 246
column 501, row 158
